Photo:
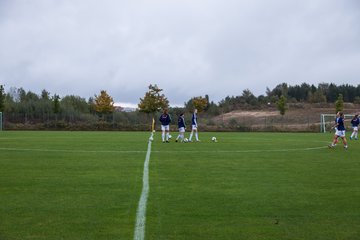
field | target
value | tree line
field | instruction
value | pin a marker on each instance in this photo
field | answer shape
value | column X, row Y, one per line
column 49, row 111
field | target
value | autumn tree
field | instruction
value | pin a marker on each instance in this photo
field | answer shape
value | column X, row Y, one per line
column 104, row 103
column 153, row 100
column 199, row 103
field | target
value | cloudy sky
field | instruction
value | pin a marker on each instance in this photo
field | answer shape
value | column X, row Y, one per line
column 188, row 47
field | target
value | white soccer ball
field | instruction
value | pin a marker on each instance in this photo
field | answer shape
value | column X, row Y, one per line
column 186, row 140
column 151, row 139
column 170, row 136
column 214, row 139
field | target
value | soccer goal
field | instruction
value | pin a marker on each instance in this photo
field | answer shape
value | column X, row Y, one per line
column 328, row 120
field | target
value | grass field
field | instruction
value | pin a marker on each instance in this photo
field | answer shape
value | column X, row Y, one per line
column 86, row 185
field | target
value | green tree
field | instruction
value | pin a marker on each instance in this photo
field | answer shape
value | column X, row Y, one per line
column 104, row 103
column 153, row 100
column 75, row 104
column 339, row 104
column 92, row 106
column 2, row 98
column 45, row 95
column 281, row 105
column 316, row 97
column 357, row 100
column 56, row 103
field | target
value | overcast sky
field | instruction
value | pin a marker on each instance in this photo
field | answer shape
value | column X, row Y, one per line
column 188, row 47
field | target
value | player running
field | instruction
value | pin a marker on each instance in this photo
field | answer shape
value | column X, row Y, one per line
column 355, row 121
column 181, row 126
column 340, row 131
column 165, row 120
column 194, row 126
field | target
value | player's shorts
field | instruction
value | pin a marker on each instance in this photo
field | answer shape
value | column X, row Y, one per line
column 356, row 128
column 182, row 129
column 194, row 127
column 165, row 127
column 340, row 133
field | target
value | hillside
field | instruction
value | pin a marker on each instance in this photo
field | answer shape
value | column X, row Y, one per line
column 298, row 117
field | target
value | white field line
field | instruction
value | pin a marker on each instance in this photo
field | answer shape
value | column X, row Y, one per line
column 164, row 151
column 69, row 150
column 139, row 233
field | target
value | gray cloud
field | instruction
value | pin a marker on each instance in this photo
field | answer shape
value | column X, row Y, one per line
column 189, row 48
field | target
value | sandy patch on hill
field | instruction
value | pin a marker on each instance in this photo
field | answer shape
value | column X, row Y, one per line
column 256, row 114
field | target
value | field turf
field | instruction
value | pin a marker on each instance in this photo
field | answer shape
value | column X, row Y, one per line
column 86, row 185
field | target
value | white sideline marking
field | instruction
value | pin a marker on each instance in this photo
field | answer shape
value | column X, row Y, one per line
column 70, row 151
column 164, row 151
column 139, row 233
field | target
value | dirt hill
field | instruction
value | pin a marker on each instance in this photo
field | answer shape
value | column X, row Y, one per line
column 298, row 117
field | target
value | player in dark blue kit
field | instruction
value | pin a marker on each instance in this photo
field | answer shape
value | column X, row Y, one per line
column 165, row 120
column 194, row 126
column 340, row 130
column 355, row 125
column 182, row 127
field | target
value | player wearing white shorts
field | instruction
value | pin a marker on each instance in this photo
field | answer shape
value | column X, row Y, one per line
column 182, row 127
column 355, row 125
column 194, row 126
column 165, row 120
column 340, row 131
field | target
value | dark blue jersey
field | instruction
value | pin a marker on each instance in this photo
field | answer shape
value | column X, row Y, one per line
column 181, row 122
column 194, row 119
column 165, row 119
column 340, row 124
column 355, row 122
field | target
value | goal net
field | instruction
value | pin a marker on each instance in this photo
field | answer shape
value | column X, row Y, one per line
column 327, row 121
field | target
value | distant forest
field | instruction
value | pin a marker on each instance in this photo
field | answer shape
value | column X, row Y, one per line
column 44, row 110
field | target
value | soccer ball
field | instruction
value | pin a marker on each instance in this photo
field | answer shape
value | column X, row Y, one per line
column 214, row 139
column 151, row 139
column 186, row 140
column 170, row 136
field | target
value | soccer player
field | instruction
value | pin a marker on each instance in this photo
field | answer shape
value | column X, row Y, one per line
column 194, row 126
column 355, row 125
column 165, row 120
column 181, row 126
column 340, row 131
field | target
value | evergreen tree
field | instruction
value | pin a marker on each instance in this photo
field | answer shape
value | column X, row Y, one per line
column 339, row 104
column 281, row 105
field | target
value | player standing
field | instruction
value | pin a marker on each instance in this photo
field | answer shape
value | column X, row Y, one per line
column 181, row 126
column 165, row 120
column 340, row 130
column 194, row 126
column 355, row 121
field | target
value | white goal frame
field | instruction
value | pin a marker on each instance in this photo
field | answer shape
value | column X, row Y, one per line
column 328, row 120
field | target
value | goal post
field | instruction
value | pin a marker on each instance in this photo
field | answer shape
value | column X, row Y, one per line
column 328, row 120
column 1, row 121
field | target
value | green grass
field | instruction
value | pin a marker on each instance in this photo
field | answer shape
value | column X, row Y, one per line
column 86, row 185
